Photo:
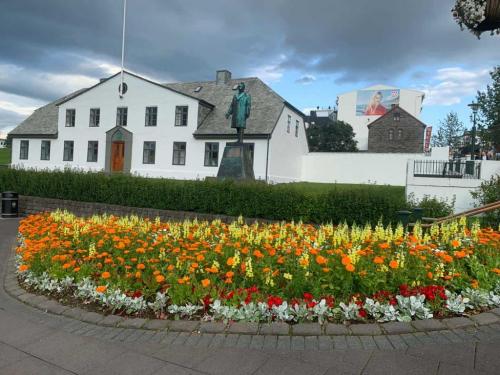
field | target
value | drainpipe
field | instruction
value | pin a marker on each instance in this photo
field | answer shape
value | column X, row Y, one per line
column 267, row 157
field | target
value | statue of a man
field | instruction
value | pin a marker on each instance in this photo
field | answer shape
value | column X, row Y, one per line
column 240, row 111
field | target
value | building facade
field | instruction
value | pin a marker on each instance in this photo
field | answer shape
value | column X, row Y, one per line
column 161, row 130
column 396, row 131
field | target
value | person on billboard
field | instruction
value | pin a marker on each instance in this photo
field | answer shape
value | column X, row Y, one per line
column 375, row 107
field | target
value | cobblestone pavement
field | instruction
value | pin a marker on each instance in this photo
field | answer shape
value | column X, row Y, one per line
column 35, row 342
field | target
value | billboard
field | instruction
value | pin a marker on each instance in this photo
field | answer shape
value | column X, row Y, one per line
column 428, row 135
column 376, row 102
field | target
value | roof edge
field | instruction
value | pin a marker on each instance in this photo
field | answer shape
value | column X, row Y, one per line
column 393, row 109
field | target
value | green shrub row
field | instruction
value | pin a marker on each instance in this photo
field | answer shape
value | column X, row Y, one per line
column 333, row 203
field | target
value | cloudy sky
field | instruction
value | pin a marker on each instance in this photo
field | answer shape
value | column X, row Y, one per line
column 308, row 51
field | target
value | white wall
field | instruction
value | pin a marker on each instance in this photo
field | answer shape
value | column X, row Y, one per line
column 449, row 189
column 286, row 150
column 360, row 167
column 410, row 101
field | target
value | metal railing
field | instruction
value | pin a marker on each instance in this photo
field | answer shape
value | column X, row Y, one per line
column 467, row 169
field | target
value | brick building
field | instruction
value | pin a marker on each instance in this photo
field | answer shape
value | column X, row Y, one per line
column 396, row 131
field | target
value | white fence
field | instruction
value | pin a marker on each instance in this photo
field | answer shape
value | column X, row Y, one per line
column 362, row 167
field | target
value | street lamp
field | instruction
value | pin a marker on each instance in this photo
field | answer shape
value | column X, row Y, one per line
column 474, row 107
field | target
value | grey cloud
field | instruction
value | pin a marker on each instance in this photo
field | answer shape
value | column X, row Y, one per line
column 306, row 79
column 9, row 119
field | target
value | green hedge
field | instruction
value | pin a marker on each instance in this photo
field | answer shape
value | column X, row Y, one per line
column 333, row 203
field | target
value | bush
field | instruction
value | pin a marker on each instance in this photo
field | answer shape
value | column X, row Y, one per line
column 334, row 203
column 432, row 207
column 489, row 192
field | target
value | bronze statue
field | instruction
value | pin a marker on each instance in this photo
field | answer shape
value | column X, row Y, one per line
column 240, row 111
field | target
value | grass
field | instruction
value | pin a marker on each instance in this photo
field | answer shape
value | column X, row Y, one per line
column 5, row 155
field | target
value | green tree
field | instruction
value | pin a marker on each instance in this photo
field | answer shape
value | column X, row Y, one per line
column 489, row 110
column 331, row 136
column 450, row 132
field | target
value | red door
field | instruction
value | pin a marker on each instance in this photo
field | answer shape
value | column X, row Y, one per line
column 117, row 156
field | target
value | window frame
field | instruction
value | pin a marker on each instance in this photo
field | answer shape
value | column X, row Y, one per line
column 70, row 119
column 21, row 149
column 209, row 154
column 391, row 134
column 289, row 124
column 96, row 112
column 150, row 152
column 72, row 143
column 297, row 123
column 120, row 117
column 44, row 151
column 174, row 151
column 400, row 134
column 179, row 115
column 91, row 152
column 148, row 116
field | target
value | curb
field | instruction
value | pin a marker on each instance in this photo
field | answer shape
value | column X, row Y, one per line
column 12, row 287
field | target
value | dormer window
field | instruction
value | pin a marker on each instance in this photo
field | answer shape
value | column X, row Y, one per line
column 198, row 89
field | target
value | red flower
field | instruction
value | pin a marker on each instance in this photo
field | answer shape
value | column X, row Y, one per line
column 274, row 301
column 362, row 313
column 308, row 296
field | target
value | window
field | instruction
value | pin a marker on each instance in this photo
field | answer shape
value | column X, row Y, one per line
column 45, row 150
column 70, row 117
column 296, row 128
column 68, row 150
column 121, row 116
column 181, row 116
column 151, row 115
column 92, row 150
column 95, row 117
column 289, row 123
column 391, row 135
column 397, row 116
column 211, row 154
column 400, row 133
column 148, row 155
column 179, row 156
column 23, row 151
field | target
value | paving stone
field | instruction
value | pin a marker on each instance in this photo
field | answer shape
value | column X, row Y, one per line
column 325, row 343
column 487, row 357
column 339, row 342
column 283, row 343
column 409, row 338
column 438, row 337
column 136, row 336
column 396, row 328
column 181, row 338
column 270, row 342
column 382, row 342
column 25, row 297
column 92, row 317
column 205, row 340
column 365, row 329
column 392, row 362
column 243, row 328
column 275, row 328
column 123, row 335
column 353, row 342
column 232, row 361
column 111, row 320
column 496, row 311
column 485, row 318
column 54, row 307
column 212, row 327
column 298, row 343
column 452, row 336
column 459, row 322
column 243, row 341
column 193, row 339
column 257, row 342
column 74, row 312
column 156, row 324
column 230, row 340
column 336, row 329
column 311, row 342
column 183, row 325
column 428, row 325
column 217, row 340
column 169, row 338
column 132, row 323
column 461, row 354
column 289, row 366
column 306, row 329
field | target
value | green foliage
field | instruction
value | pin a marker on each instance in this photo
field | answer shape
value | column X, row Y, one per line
column 489, row 192
column 489, row 109
column 331, row 136
column 5, row 156
column 327, row 203
column 432, row 207
column 450, row 132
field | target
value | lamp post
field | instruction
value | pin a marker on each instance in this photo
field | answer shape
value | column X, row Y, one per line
column 474, row 107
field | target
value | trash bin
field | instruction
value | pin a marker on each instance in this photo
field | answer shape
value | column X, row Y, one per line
column 404, row 217
column 10, row 204
column 417, row 214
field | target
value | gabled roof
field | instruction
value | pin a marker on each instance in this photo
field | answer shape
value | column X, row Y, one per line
column 399, row 109
column 43, row 121
column 266, row 109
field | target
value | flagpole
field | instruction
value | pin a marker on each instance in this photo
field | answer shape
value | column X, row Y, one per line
column 123, row 44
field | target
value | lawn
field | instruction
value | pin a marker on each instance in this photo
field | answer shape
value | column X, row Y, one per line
column 5, row 155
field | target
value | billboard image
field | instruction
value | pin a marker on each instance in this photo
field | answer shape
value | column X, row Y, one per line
column 376, row 102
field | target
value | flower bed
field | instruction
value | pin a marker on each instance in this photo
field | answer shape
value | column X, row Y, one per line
column 286, row 272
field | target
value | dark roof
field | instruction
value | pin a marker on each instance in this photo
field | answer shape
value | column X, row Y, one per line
column 267, row 106
column 399, row 109
column 43, row 121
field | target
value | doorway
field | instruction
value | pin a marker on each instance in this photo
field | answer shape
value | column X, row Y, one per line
column 117, row 156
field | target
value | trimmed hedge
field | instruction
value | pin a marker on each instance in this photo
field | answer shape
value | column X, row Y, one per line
column 335, row 203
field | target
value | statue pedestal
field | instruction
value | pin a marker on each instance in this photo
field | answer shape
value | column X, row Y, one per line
column 236, row 162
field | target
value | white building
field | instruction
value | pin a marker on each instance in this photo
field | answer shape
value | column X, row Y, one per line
column 353, row 107
column 174, row 130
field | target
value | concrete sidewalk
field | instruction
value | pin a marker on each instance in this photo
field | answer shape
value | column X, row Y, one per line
column 34, row 342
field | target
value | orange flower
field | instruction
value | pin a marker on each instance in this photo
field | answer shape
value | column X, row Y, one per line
column 455, row 243
column 230, row 261
column 346, row 260
column 105, row 275
column 205, row 282
column 378, row 260
column 229, row 274
column 460, row 254
column 258, row 254
column 393, row 264
column 101, row 288
column 321, row 260
column 23, row 268
column 159, row 279
column 430, row 275
column 349, row 267
column 141, row 266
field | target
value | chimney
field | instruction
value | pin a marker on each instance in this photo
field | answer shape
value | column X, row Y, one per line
column 223, row 77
